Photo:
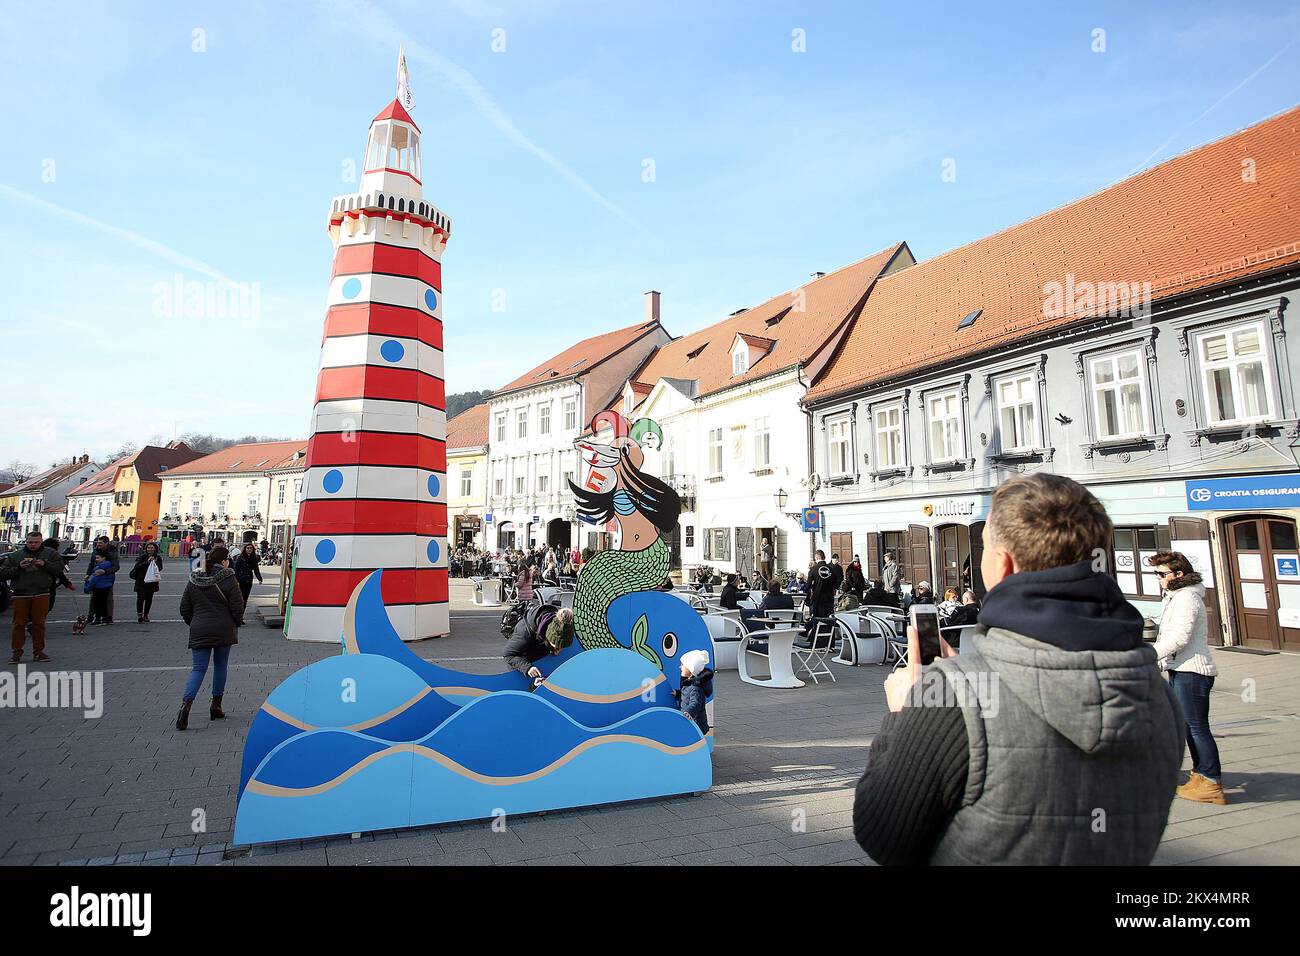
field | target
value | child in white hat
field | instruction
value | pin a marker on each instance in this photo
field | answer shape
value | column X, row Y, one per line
column 697, row 687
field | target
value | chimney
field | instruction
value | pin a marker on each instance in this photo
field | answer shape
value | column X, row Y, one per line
column 652, row 306
column 85, row 458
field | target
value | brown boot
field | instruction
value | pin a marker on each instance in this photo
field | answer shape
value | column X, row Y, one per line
column 1201, row 790
column 215, row 712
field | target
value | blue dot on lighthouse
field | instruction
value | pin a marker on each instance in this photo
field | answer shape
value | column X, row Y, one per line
column 434, row 485
column 332, row 481
column 392, row 351
column 431, row 299
column 352, row 288
column 325, row 551
column 433, row 552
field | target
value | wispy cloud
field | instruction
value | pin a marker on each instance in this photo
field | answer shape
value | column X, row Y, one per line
column 126, row 235
column 381, row 27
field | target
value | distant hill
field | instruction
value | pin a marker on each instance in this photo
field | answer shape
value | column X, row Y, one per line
column 462, row 400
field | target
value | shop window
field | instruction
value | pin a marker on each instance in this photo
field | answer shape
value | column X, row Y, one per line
column 717, row 544
column 1132, row 547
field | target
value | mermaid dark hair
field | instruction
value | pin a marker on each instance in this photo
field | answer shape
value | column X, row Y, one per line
column 652, row 498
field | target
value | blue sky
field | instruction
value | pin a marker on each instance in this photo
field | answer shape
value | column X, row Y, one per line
column 130, row 159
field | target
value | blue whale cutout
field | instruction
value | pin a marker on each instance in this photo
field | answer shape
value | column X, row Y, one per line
column 379, row 738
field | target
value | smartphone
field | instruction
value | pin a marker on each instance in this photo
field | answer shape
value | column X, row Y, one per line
column 925, row 618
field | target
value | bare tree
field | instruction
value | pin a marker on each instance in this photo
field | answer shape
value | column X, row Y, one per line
column 18, row 471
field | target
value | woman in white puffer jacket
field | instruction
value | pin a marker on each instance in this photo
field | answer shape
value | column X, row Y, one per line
column 1184, row 653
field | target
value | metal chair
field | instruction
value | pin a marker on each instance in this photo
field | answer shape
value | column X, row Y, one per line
column 812, row 653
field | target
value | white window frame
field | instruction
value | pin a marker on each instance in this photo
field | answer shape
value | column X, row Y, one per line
column 570, row 414
column 521, row 422
column 739, row 360
column 938, row 453
column 1034, row 402
column 1097, row 390
column 878, row 433
column 839, row 446
column 1234, row 363
column 763, row 442
column 466, row 482
column 715, row 452
column 544, row 418
column 543, row 484
column 501, row 426
column 498, row 487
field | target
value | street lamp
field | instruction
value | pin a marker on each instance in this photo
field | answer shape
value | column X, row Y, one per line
column 780, row 498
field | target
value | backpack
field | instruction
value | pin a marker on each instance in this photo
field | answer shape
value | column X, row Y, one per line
column 513, row 615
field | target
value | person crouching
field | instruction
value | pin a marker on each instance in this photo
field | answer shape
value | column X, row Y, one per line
column 544, row 630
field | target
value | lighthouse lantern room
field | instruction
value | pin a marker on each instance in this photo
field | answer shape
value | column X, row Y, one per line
column 393, row 153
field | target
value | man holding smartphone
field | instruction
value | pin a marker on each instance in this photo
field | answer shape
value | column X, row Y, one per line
column 33, row 572
column 1007, row 753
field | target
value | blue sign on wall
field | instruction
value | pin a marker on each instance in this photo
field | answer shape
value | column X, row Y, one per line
column 812, row 519
column 1233, row 494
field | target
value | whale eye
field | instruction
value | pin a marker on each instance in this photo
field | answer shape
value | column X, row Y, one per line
column 670, row 644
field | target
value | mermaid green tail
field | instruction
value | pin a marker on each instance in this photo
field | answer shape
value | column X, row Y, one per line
column 608, row 576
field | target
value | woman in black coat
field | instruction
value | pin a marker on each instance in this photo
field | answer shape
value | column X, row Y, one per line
column 146, row 589
column 212, row 607
column 246, row 567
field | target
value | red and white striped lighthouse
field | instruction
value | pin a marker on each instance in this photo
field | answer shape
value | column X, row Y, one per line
column 375, row 490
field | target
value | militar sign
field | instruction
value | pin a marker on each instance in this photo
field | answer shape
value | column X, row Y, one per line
column 1257, row 491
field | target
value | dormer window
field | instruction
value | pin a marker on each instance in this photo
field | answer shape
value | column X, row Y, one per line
column 740, row 360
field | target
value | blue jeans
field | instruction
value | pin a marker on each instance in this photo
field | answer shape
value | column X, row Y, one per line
column 1193, row 693
column 220, row 657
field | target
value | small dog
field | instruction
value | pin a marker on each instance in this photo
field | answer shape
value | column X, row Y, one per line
column 79, row 625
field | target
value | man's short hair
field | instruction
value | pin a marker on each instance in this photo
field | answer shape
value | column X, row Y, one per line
column 889, row 554
column 819, row 554
column 35, row 534
column 968, row 597
column 774, row 586
column 1048, row 521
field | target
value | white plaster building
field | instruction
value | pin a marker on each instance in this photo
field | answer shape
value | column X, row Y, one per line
column 49, row 489
column 736, row 445
column 228, row 493
column 532, row 424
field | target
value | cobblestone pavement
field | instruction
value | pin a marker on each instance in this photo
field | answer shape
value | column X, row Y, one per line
column 127, row 787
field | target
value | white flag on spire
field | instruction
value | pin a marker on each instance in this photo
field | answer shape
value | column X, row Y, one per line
column 404, row 95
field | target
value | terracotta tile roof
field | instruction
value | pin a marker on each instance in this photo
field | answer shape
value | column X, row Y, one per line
column 54, row 510
column 469, row 429
column 101, row 482
column 705, row 356
column 49, row 478
column 756, row 341
column 1188, row 223
column 252, row 458
column 579, row 359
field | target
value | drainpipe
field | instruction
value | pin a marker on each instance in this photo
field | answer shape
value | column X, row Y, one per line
column 798, row 374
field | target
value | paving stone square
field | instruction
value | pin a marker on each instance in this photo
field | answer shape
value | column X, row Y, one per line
column 126, row 788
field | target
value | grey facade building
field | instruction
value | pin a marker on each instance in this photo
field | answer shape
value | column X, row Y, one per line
column 1174, row 401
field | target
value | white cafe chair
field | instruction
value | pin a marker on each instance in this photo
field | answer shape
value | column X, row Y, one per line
column 812, row 654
